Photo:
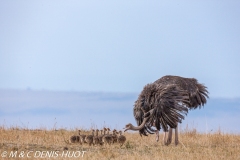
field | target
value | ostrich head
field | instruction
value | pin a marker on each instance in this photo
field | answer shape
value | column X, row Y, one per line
column 108, row 129
column 129, row 126
column 114, row 131
column 120, row 132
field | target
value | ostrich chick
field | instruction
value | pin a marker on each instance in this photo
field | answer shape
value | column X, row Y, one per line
column 107, row 138
column 82, row 137
column 89, row 138
column 121, row 138
column 96, row 138
column 74, row 139
column 114, row 136
column 101, row 136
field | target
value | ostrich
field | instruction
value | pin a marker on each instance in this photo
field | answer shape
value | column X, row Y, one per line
column 107, row 138
column 89, row 138
column 121, row 138
column 114, row 136
column 96, row 138
column 101, row 137
column 197, row 95
column 165, row 102
column 82, row 137
column 75, row 139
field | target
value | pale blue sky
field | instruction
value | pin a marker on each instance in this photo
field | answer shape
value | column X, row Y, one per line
column 119, row 46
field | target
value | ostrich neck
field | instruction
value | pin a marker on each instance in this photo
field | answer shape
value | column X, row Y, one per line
column 139, row 127
column 143, row 123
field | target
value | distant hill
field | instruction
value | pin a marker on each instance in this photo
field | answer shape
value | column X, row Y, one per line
column 34, row 109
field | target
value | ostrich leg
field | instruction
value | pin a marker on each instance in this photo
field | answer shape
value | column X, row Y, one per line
column 164, row 138
column 157, row 135
column 176, row 135
column 157, row 132
column 169, row 140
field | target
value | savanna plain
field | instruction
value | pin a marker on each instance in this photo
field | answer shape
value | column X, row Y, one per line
column 20, row 143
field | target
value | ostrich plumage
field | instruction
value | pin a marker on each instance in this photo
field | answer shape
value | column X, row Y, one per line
column 197, row 92
column 165, row 102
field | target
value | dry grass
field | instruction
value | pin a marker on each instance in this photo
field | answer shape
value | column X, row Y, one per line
column 192, row 145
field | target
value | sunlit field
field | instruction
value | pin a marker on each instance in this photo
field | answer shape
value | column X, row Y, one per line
column 16, row 143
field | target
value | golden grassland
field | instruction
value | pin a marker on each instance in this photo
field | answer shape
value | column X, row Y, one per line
column 53, row 144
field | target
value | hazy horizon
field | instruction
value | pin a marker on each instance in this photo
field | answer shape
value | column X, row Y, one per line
column 70, row 110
